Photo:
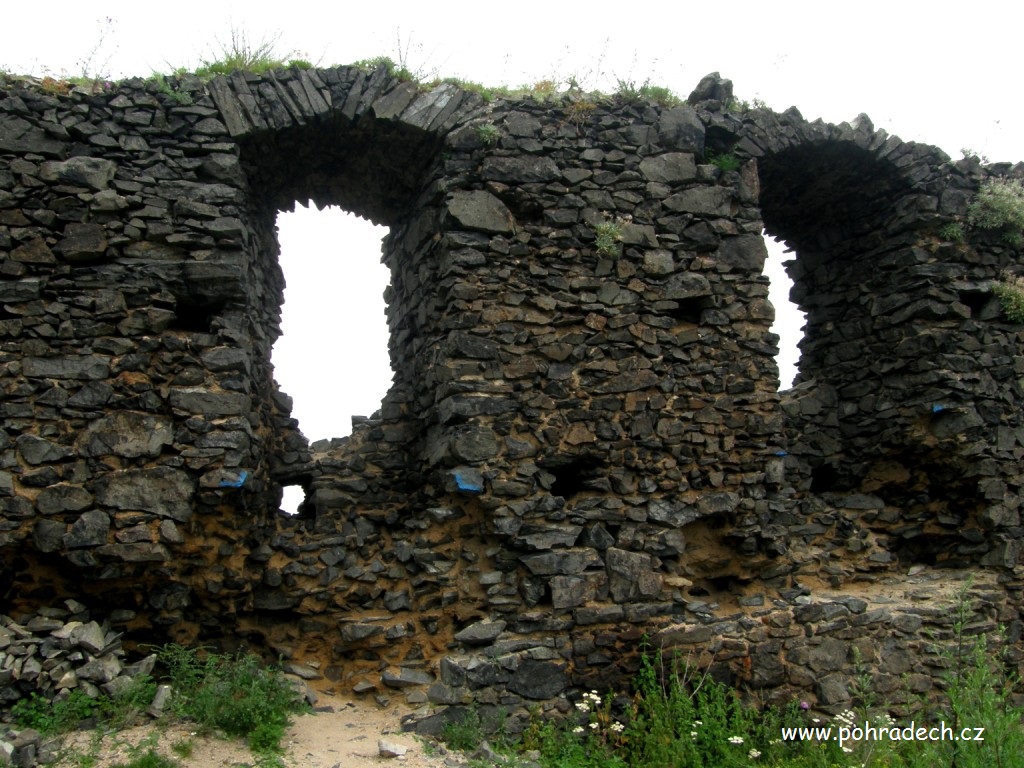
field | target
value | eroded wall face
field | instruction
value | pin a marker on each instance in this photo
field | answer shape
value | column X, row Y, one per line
column 584, row 442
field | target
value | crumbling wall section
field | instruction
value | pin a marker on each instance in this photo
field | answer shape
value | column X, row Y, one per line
column 584, row 442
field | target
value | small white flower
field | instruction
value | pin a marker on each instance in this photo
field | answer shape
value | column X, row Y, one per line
column 753, row 754
column 693, row 735
column 582, row 706
column 617, row 727
column 735, row 739
column 697, row 723
column 578, row 729
column 593, row 726
column 847, row 750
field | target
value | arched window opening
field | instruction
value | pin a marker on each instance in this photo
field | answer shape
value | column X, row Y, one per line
column 332, row 356
column 789, row 320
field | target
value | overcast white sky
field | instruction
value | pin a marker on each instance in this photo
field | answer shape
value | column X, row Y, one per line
column 941, row 73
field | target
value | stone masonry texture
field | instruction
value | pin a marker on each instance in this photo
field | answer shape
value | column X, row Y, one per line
column 583, row 445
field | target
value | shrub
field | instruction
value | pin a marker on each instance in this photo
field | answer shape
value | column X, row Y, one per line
column 1000, row 205
column 62, row 715
column 58, row 716
column 234, row 694
column 464, row 734
column 1010, row 292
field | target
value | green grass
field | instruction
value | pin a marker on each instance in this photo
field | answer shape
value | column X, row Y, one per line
column 239, row 54
column 51, row 717
column 629, row 91
column 465, row 734
column 236, row 695
column 679, row 718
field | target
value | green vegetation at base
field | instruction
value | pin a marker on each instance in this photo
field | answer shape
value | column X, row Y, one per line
column 69, row 712
column 236, row 695
column 231, row 695
column 679, row 718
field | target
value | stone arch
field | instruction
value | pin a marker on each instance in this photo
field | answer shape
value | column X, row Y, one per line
column 370, row 144
column 829, row 200
column 869, row 415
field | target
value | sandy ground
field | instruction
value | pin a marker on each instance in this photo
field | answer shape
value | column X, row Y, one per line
column 346, row 736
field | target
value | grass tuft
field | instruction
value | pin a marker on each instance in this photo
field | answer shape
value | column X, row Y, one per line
column 237, row 695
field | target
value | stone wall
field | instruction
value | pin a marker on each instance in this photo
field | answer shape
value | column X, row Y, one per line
column 584, row 443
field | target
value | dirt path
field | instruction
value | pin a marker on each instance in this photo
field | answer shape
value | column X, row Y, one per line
column 346, row 735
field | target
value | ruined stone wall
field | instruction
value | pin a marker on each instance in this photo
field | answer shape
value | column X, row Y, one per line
column 584, row 442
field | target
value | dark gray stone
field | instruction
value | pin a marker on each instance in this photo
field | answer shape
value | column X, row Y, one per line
column 160, row 491
column 567, row 561
column 520, row 169
column 631, row 576
column 90, row 367
column 482, row 211
column 83, row 243
column 63, row 497
column 538, row 679
column 474, row 443
column 126, row 433
column 210, row 404
column 405, row 677
column 93, row 172
column 480, row 633
column 36, row 450
column 48, row 535
column 89, row 530
column 670, row 168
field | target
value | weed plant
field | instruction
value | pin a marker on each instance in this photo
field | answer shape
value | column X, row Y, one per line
column 237, row 695
column 240, row 54
column 953, row 232
column 1000, row 206
column 464, row 734
column 488, row 133
column 607, row 236
column 1010, row 292
column 629, row 91
column 65, row 714
column 725, row 162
